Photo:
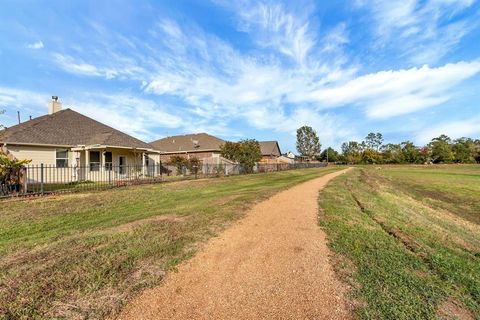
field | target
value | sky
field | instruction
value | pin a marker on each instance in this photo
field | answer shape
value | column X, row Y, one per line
column 409, row 69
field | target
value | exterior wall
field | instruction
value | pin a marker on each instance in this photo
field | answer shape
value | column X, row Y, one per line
column 200, row 155
column 269, row 159
column 38, row 155
column 79, row 165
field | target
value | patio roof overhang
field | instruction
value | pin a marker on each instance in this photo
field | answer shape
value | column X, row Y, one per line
column 101, row 146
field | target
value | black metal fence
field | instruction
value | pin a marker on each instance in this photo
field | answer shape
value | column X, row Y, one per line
column 44, row 179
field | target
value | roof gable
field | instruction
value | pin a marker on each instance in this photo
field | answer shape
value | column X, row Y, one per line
column 69, row 128
column 269, row 148
column 190, row 142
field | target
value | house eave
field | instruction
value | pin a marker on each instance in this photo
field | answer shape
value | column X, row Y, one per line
column 190, row 151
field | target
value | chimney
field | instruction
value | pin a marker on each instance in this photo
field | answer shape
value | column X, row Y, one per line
column 54, row 105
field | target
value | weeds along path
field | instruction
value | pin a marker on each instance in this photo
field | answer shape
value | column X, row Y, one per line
column 272, row 264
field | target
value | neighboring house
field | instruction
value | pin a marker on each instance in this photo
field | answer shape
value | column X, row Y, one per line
column 289, row 157
column 198, row 145
column 270, row 151
column 67, row 139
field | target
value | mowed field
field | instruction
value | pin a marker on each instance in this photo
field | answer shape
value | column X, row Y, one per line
column 407, row 240
column 82, row 256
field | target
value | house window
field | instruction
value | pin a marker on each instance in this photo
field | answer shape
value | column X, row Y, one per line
column 62, row 158
column 108, row 161
column 94, row 160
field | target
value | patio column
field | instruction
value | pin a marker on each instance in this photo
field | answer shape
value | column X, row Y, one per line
column 102, row 165
column 87, row 165
column 143, row 164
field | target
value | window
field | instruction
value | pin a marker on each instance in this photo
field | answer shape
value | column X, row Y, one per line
column 108, row 161
column 94, row 160
column 62, row 158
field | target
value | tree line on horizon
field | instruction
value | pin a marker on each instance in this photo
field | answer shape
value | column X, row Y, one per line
column 372, row 150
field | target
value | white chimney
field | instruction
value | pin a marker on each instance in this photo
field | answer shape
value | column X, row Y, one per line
column 54, row 105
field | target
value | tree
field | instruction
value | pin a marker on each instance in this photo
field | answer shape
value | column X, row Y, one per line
column 229, row 150
column 246, row 152
column 249, row 154
column 464, row 150
column 371, row 156
column 351, row 152
column 411, row 154
column 333, row 155
column 476, row 150
column 11, row 170
column 374, row 141
column 308, row 144
column 441, row 150
column 179, row 162
column 392, row 153
column 194, row 164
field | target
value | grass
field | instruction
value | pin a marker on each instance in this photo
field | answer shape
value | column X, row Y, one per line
column 407, row 240
column 84, row 255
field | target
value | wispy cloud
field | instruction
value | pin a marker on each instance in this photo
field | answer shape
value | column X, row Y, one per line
column 425, row 31
column 272, row 24
column 78, row 66
column 35, row 45
column 453, row 129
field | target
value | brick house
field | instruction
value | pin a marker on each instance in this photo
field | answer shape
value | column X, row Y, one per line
column 199, row 145
column 270, row 151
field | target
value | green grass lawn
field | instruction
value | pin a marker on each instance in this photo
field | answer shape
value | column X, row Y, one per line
column 407, row 239
column 84, row 255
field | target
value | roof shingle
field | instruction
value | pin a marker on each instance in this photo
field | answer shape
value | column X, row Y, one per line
column 189, row 142
column 68, row 128
column 269, row 148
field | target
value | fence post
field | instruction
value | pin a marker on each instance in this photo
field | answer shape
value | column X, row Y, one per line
column 110, row 175
column 41, row 178
column 161, row 177
column 23, row 179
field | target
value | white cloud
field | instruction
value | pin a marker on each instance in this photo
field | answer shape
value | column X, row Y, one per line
column 35, row 45
column 390, row 93
column 272, row 24
column 454, row 129
column 425, row 31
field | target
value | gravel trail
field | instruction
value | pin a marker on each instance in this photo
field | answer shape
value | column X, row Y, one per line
column 273, row 264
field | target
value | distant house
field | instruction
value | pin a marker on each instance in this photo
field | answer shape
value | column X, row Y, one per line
column 199, row 145
column 65, row 138
column 289, row 157
column 270, row 151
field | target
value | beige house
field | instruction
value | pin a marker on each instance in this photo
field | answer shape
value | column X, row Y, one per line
column 78, row 148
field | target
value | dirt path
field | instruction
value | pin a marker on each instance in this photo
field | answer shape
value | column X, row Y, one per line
column 273, row 264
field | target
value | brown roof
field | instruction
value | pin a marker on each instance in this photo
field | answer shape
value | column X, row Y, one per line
column 189, row 142
column 68, row 128
column 269, row 148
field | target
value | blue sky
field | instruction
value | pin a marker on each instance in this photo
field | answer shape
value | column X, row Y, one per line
column 248, row 69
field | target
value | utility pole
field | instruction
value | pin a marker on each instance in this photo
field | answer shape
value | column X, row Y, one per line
column 327, row 156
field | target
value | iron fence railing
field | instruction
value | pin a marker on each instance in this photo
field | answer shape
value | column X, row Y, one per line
column 44, row 179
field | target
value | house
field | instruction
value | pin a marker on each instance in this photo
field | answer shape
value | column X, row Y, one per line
column 199, row 145
column 270, row 151
column 288, row 157
column 67, row 139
